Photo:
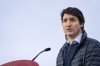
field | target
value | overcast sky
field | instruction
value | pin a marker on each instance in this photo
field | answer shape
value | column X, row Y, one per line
column 29, row 26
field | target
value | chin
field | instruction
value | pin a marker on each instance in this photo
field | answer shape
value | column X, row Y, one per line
column 69, row 34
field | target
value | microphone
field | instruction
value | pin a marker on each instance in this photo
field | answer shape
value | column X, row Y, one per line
column 47, row 49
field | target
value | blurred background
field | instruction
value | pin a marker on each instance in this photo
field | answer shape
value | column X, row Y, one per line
column 29, row 26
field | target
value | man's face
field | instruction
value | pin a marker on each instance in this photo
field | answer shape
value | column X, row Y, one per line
column 71, row 25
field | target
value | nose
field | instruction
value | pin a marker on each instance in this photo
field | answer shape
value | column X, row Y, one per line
column 68, row 24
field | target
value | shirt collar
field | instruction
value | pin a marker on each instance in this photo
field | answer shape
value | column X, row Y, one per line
column 77, row 39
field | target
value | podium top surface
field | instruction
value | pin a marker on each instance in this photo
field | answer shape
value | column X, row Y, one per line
column 21, row 63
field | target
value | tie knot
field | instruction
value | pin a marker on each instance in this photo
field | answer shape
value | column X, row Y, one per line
column 75, row 42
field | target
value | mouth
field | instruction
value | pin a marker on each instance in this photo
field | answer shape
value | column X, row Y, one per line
column 69, row 30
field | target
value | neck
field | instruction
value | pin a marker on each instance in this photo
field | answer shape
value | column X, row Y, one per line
column 71, row 38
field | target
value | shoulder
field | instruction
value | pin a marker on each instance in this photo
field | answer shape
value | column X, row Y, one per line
column 93, row 43
column 60, row 56
column 62, row 49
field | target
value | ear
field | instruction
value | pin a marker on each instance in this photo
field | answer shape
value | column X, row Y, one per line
column 81, row 25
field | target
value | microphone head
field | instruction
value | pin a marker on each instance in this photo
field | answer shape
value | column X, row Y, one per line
column 47, row 49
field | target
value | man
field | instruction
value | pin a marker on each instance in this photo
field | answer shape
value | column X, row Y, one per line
column 78, row 50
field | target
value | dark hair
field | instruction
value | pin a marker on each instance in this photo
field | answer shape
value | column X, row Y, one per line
column 75, row 12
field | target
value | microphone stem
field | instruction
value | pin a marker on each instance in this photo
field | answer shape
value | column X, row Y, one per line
column 37, row 55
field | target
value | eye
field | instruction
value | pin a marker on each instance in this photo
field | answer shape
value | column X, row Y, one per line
column 73, row 19
column 64, row 20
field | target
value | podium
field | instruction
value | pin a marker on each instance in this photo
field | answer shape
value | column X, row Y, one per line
column 25, row 62
column 21, row 63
